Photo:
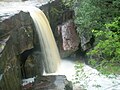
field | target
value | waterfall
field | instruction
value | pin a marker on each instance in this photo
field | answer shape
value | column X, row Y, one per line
column 46, row 40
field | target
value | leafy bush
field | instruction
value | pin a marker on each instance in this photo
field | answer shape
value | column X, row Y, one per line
column 106, row 54
column 93, row 14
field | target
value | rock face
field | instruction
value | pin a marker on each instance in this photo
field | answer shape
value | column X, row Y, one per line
column 49, row 83
column 31, row 63
column 69, row 38
column 19, row 52
column 19, row 36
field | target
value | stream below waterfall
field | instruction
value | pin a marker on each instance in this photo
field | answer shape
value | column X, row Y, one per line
column 90, row 79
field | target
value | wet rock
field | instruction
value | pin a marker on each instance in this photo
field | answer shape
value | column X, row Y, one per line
column 3, row 43
column 33, row 65
column 50, row 83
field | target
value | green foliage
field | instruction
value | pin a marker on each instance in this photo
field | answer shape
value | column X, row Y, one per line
column 93, row 14
column 106, row 54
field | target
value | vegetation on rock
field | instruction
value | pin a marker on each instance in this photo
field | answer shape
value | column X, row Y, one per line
column 105, row 56
column 96, row 17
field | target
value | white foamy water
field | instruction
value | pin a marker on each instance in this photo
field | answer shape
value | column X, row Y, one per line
column 89, row 78
column 27, row 81
column 66, row 68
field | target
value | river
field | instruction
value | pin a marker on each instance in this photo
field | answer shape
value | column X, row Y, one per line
column 89, row 78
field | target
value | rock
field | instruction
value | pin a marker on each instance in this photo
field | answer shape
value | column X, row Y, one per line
column 69, row 38
column 58, row 82
column 33, row 65
column 87, row 40
column 15, row 37
column 3, row 43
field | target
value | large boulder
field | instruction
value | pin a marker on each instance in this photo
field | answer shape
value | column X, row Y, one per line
column 33, row 65
column 53, row 82
column 15, row 37
column 68, row 38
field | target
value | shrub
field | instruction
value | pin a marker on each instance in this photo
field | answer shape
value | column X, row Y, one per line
column 106, row 54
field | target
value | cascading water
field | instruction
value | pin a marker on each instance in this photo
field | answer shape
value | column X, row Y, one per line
column 46, row 39
column 52, row 59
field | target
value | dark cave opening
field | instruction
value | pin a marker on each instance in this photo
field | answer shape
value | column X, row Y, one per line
column 23, row 58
